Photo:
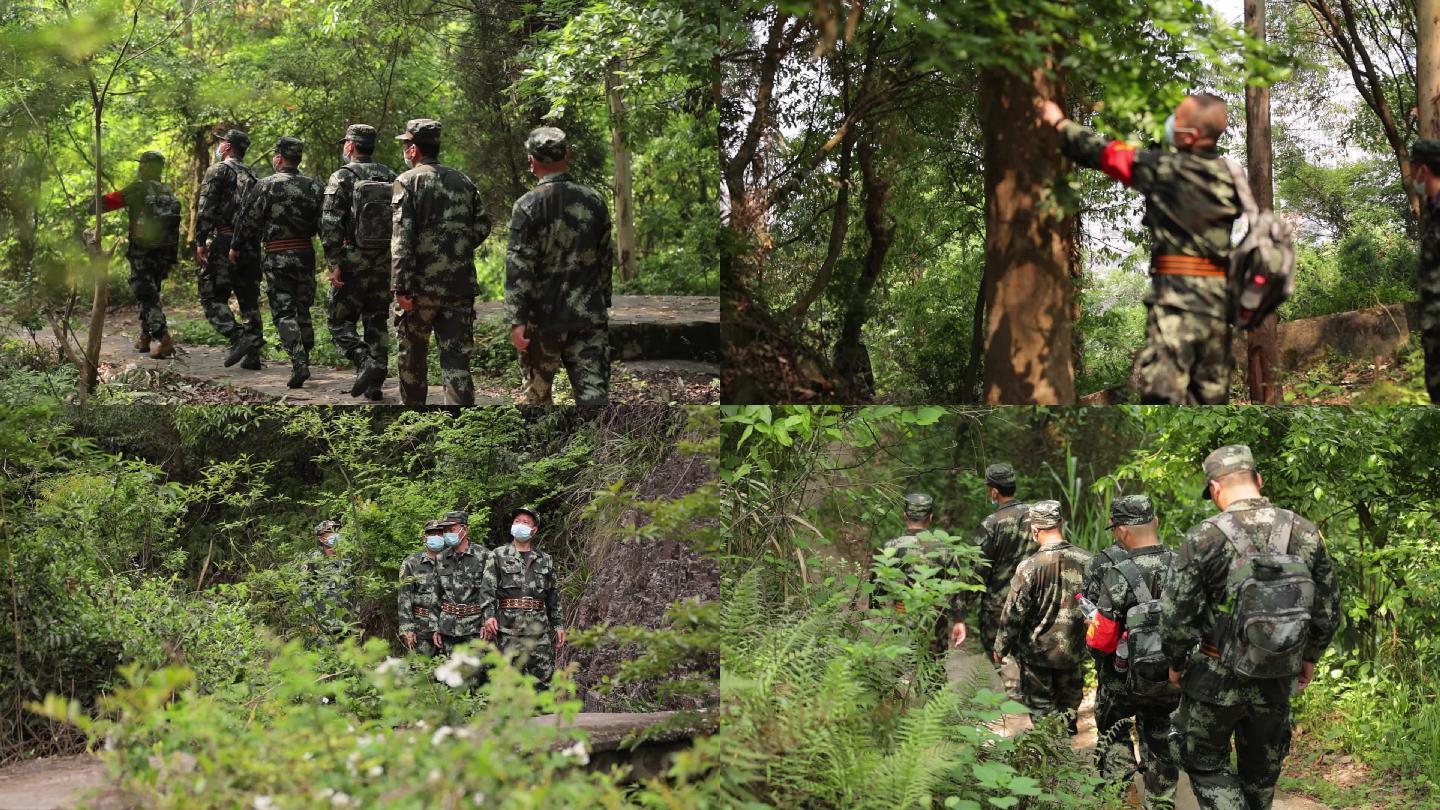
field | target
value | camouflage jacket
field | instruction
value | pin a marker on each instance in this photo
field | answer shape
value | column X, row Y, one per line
column 933, row 553
column 336, row 229
column 138, row 198
column 557, row 268
column 417, row 590
column 220, row 197
column 1041, row 622
column 1198, row 584
column 439, row 222
column 1430, row 245
column 510, row 576
column 325, row 591
column 1107, row 587
column 285, row 205
column 1004, row 540
column 460, row 578
column 1190, row 206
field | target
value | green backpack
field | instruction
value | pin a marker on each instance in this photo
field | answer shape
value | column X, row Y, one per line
column 1265, row 618
column 371, row 214
column 1149, row 674
column 155, row 222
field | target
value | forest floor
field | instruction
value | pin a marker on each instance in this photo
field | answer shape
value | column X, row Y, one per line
column 967, row 664
column 197, row 374
column 50, row 782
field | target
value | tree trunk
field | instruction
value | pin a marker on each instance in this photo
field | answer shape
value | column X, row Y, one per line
column 852, row 357
column 1262, row 344
column 1028, row 334
column 1427, row 30
column 624, row 186
column 91, row 370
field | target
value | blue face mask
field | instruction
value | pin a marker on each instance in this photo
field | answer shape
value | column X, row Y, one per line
column 521, row 531
column 452, row 539
column 1170, row 129
column 435, row 542
column 330, row 540
column 218, row 155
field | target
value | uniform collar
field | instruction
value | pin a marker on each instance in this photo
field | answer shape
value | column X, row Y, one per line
column 1155, row 549
column 1246, row 504
column 1049, row 545
column 288, row 170
column 553, row 178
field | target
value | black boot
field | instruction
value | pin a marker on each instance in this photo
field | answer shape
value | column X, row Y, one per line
column 300, row 369
column 368, row 375
column 244, row 346
column 374, row 394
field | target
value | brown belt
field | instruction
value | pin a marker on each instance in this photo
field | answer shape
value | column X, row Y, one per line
column 459, row 609
column 225, row 229
column 419, row 611
column 1209, row 649
column 1187, row 266
column 524, row 603
column 279, row 245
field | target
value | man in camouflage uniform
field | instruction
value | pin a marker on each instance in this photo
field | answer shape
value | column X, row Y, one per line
column 326, row 583
column 154, row 234
column 359, row 273
column 283, row 211
column 416, row 608
column 919, row 515
column 226, row 184
column 1134, row 527
column 460, row 584
column 1190, row 205
column 1425, row 178
column 1041, row 622
column 523, row 600
column 1218, row 703
column 439, row 222
column 1004, row 540
column 557, row 278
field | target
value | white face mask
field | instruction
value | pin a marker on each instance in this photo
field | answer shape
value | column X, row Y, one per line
column 331, row 539
column 521, row 531
column 218, row 154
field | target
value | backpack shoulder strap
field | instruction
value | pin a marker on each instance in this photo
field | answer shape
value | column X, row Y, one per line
column 1136, row 580
column 1280, row 531
column 1242, row 190
column 1239, row 539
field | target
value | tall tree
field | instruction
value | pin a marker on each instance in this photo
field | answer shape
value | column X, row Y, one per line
column 1427, row 66
column 1262, row 348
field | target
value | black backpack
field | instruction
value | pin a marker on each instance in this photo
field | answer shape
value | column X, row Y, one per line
column 1265, row 618
column 156, row 220
column 1148, row 676
column 1262, row 265
column 370, row 212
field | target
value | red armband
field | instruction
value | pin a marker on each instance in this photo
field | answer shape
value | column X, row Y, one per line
column 1117, row 159
column 113, row 200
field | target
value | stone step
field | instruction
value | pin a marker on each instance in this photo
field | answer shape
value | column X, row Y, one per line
column 653, row 327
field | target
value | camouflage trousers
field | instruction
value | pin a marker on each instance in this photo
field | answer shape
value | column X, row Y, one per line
column 364, row 300
column 290, row 288
column 218, row 279
column 1115, row 719
column 532, row 651
column 453, row 322
column 1262, row 739
column 148, row 269
column 1047, row 691
column 585, row 354
column 1186, row 359
column 1430, row 329
column 989, row 626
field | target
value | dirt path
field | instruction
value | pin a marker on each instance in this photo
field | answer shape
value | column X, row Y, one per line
column 41, row 784
column 967, row 663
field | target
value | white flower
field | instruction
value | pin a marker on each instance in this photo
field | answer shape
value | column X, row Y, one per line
column 326, row 793
column 577, row 752
column 434, row 775
column 478, row 798
column 421, row 724
column 324, row 699
column 388, row 665
column 440, row 735
column 309, row 755
column 376, row 770
column 340, row 800
column 449, row 673
column 264, row 803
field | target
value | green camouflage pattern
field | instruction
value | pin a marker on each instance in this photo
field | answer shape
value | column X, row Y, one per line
column 1198, row 584
column 419, row 574
column 1004, row 541
column 1041, row 622
column 1045, row 515
column 1223, row 461
column 143, row 197
column 546, row 144
column 1262, row 739
column 585, row 354
column 526, row 635
column 364, row 299
column 1000, row 475
column 1094, row 589
column 218, row 204
column 1429, row 286
column 326, row 592
column 558, row 264
column 1131, row 510
column 919, row 506
column 1186, row 358
column 285, row 205
column 1050, row 690
column 453, row 322
column 439, row 223
column 147, row 270
column 220, row 198
column 460, row 578
column 911, row 547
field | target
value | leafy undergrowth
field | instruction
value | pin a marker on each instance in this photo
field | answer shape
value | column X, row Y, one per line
column 1351, row 381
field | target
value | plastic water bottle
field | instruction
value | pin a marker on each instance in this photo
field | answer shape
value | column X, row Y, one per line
column 1087, row 607
column 1122, row 653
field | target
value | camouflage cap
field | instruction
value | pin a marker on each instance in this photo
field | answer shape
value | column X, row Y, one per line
column 1228, row 459
column 919, row 506
column 421, row 130
column 435, row 526
column 459, row 516
column 1000, row 475
column 150, row 156
column 326, row 526
column 362, row 135
column 525, row 510
column 1045, row 514
column 236, row 138
column 1131, row 510
column 546, row 144
column 1427, row 151
column 290, row 148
